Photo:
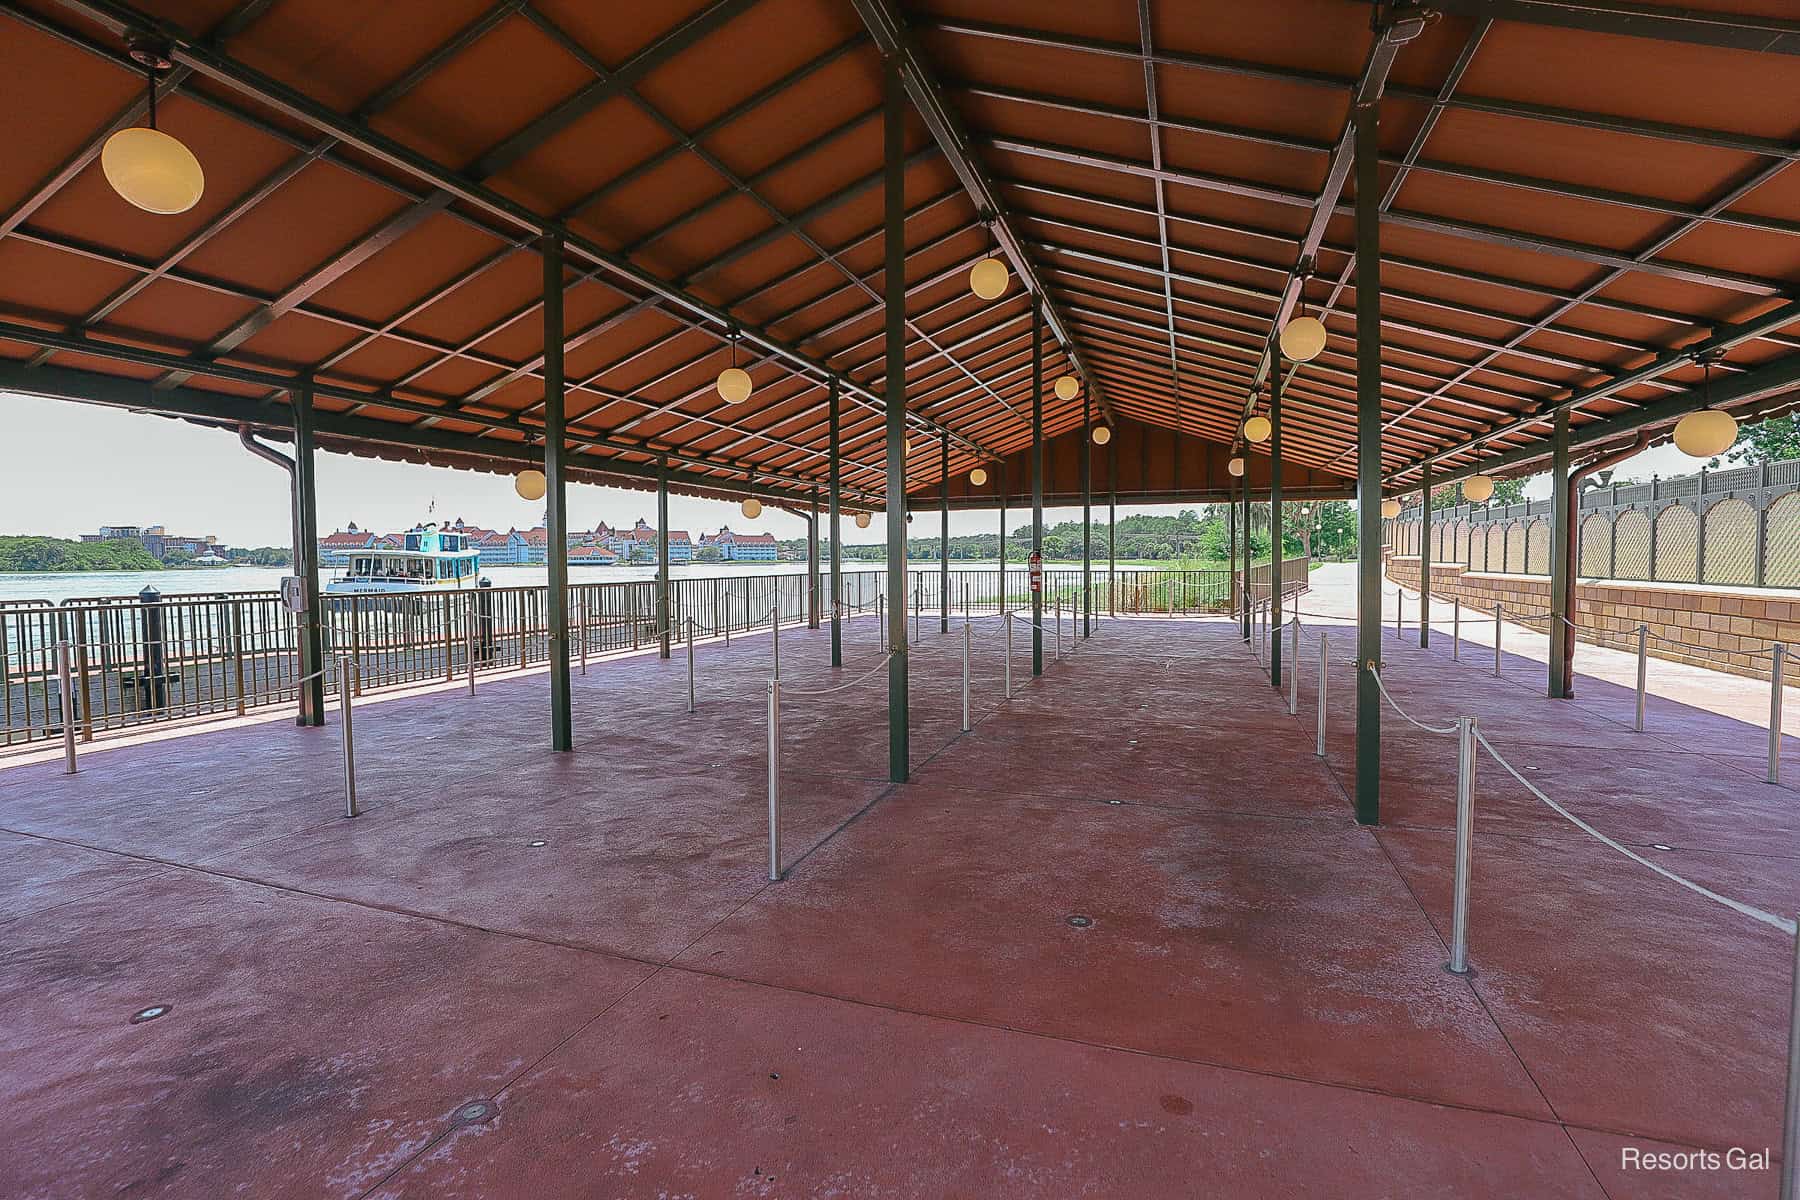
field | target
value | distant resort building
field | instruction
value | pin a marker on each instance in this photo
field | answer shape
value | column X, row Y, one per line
column 603, row 545
column 159, row 542
column 335, row 548
column 738, row 547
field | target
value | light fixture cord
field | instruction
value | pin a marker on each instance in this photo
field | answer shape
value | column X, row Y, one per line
column 150, row 74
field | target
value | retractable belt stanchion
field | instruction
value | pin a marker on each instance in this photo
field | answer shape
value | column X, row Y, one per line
column 1009, row 654
column 1643, row 671
column 66, row 696
column 1456, row 628
column 1465, row 836
column 346, row 667
column 1324, row 683
column 1497, row 629
column 1294, row 667
column 690, row 658
column 965, row 724
column 1777, row 675
column 774, row 780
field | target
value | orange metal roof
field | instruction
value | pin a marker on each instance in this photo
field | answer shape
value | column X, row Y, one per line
column 1563, row 207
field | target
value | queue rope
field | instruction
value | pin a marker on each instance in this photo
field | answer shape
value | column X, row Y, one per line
column 863, row 678
column 1444, row 729
column 1738, row 906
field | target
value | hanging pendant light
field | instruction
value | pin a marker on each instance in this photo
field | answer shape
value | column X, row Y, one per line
column 1303, row 337
column 1235, row 467
column 1067, row 387
column 1390, row 508
column 1257, row 429
column 734, row 382
column 145, row 166
column 1102, row 434
column 978, row 476
column 529, row 484
column 751, row 507
column 989, row 277
column 862, row 520
column 1708, row 432
column 1478, row 489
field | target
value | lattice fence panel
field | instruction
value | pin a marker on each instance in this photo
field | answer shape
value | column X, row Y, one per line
column 1731, row 543
column 1537, row 548
column 1677, row 544
column 1781, row 562
column 1631, row 538
column 1596, row 546
column 1495, row 559
column 1515, row 548
column 1462, row 541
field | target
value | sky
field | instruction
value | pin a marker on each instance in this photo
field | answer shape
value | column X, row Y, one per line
column 66, row 469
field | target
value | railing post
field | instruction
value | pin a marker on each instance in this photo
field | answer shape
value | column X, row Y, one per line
column 774, row 780
column 965, row 725
column 1456, row 628
column 1643, row 671
column 690, row 657
column 1294, row 666
column 1777, row 673
column 237, row 652
column 1324, row 683
column 1465, row 836
column 473, row 621
column 1009, row 654
column 66, row 684
column 1497, row 628
column 346, row 669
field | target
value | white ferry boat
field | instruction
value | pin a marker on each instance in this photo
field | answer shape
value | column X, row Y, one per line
column 429, row 560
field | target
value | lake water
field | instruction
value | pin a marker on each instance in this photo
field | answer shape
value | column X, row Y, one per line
column 57, row 587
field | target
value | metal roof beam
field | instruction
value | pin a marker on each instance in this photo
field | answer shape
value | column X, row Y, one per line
column 888, row 29
column 1696, row 27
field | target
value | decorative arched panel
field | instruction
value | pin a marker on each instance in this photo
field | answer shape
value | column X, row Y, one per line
column 1515, row 548
column 1462, row 542
column 1596, row 546
column 1781, row 553
column 1631, row 543
column 1537, row 547
column 1677, row 544
column 1495, row 560
column 1731, row 543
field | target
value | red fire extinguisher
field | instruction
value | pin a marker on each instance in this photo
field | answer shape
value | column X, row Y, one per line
column 1037, row 573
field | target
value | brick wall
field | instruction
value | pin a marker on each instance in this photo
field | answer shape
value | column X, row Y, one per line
column 1718, row 627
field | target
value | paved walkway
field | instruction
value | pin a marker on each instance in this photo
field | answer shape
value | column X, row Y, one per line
column 1122, row 939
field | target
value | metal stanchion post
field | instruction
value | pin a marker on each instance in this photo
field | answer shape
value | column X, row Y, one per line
column 1009, row 654
column 690, row 652
column 1465, row 835
column 1790, row 1126
column 774, row 780
column 1059, row 628
column 775, row 634
column 1294, row 666
column 67, row 689
column 1456, row 629
column 471, row 654
column 881, row 620
column 346, row 667
column 1777, row 674
column 584, row 631
column 1643, row 671
column 1324, row 683
column 1399, row 612
column 1497, row 620
column 918, row 604
column 965, row 727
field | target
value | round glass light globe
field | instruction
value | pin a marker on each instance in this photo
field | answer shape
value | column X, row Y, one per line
column 1257, row 429
column 751, row 508
column 529, row 484
column 1302, row 339
column 152, row 170
column 988, row 278
column 1705, row 433
column 1478, row 489
column 734, row 385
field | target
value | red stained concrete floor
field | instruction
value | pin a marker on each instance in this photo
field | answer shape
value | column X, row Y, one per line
column 1256, row 1006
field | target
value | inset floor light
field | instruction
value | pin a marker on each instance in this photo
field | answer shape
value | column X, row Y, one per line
column 148, row 168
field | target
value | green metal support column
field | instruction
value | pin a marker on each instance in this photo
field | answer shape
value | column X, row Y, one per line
column 306, row 524
column 1561, row 587
column 1277, row 551
column 835, row 485
column 1231, row 544
column 662, row 553
column 1248, row 557
column 944, row 533
column 812, row 564
column 1425, row 554
column 894, row 239
column 1112, row 526
column 1368, row 464
column 556, row 519
column 1087, row 516
column 1037, row 481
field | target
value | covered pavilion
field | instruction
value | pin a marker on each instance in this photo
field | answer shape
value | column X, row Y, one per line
column 965, row 254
